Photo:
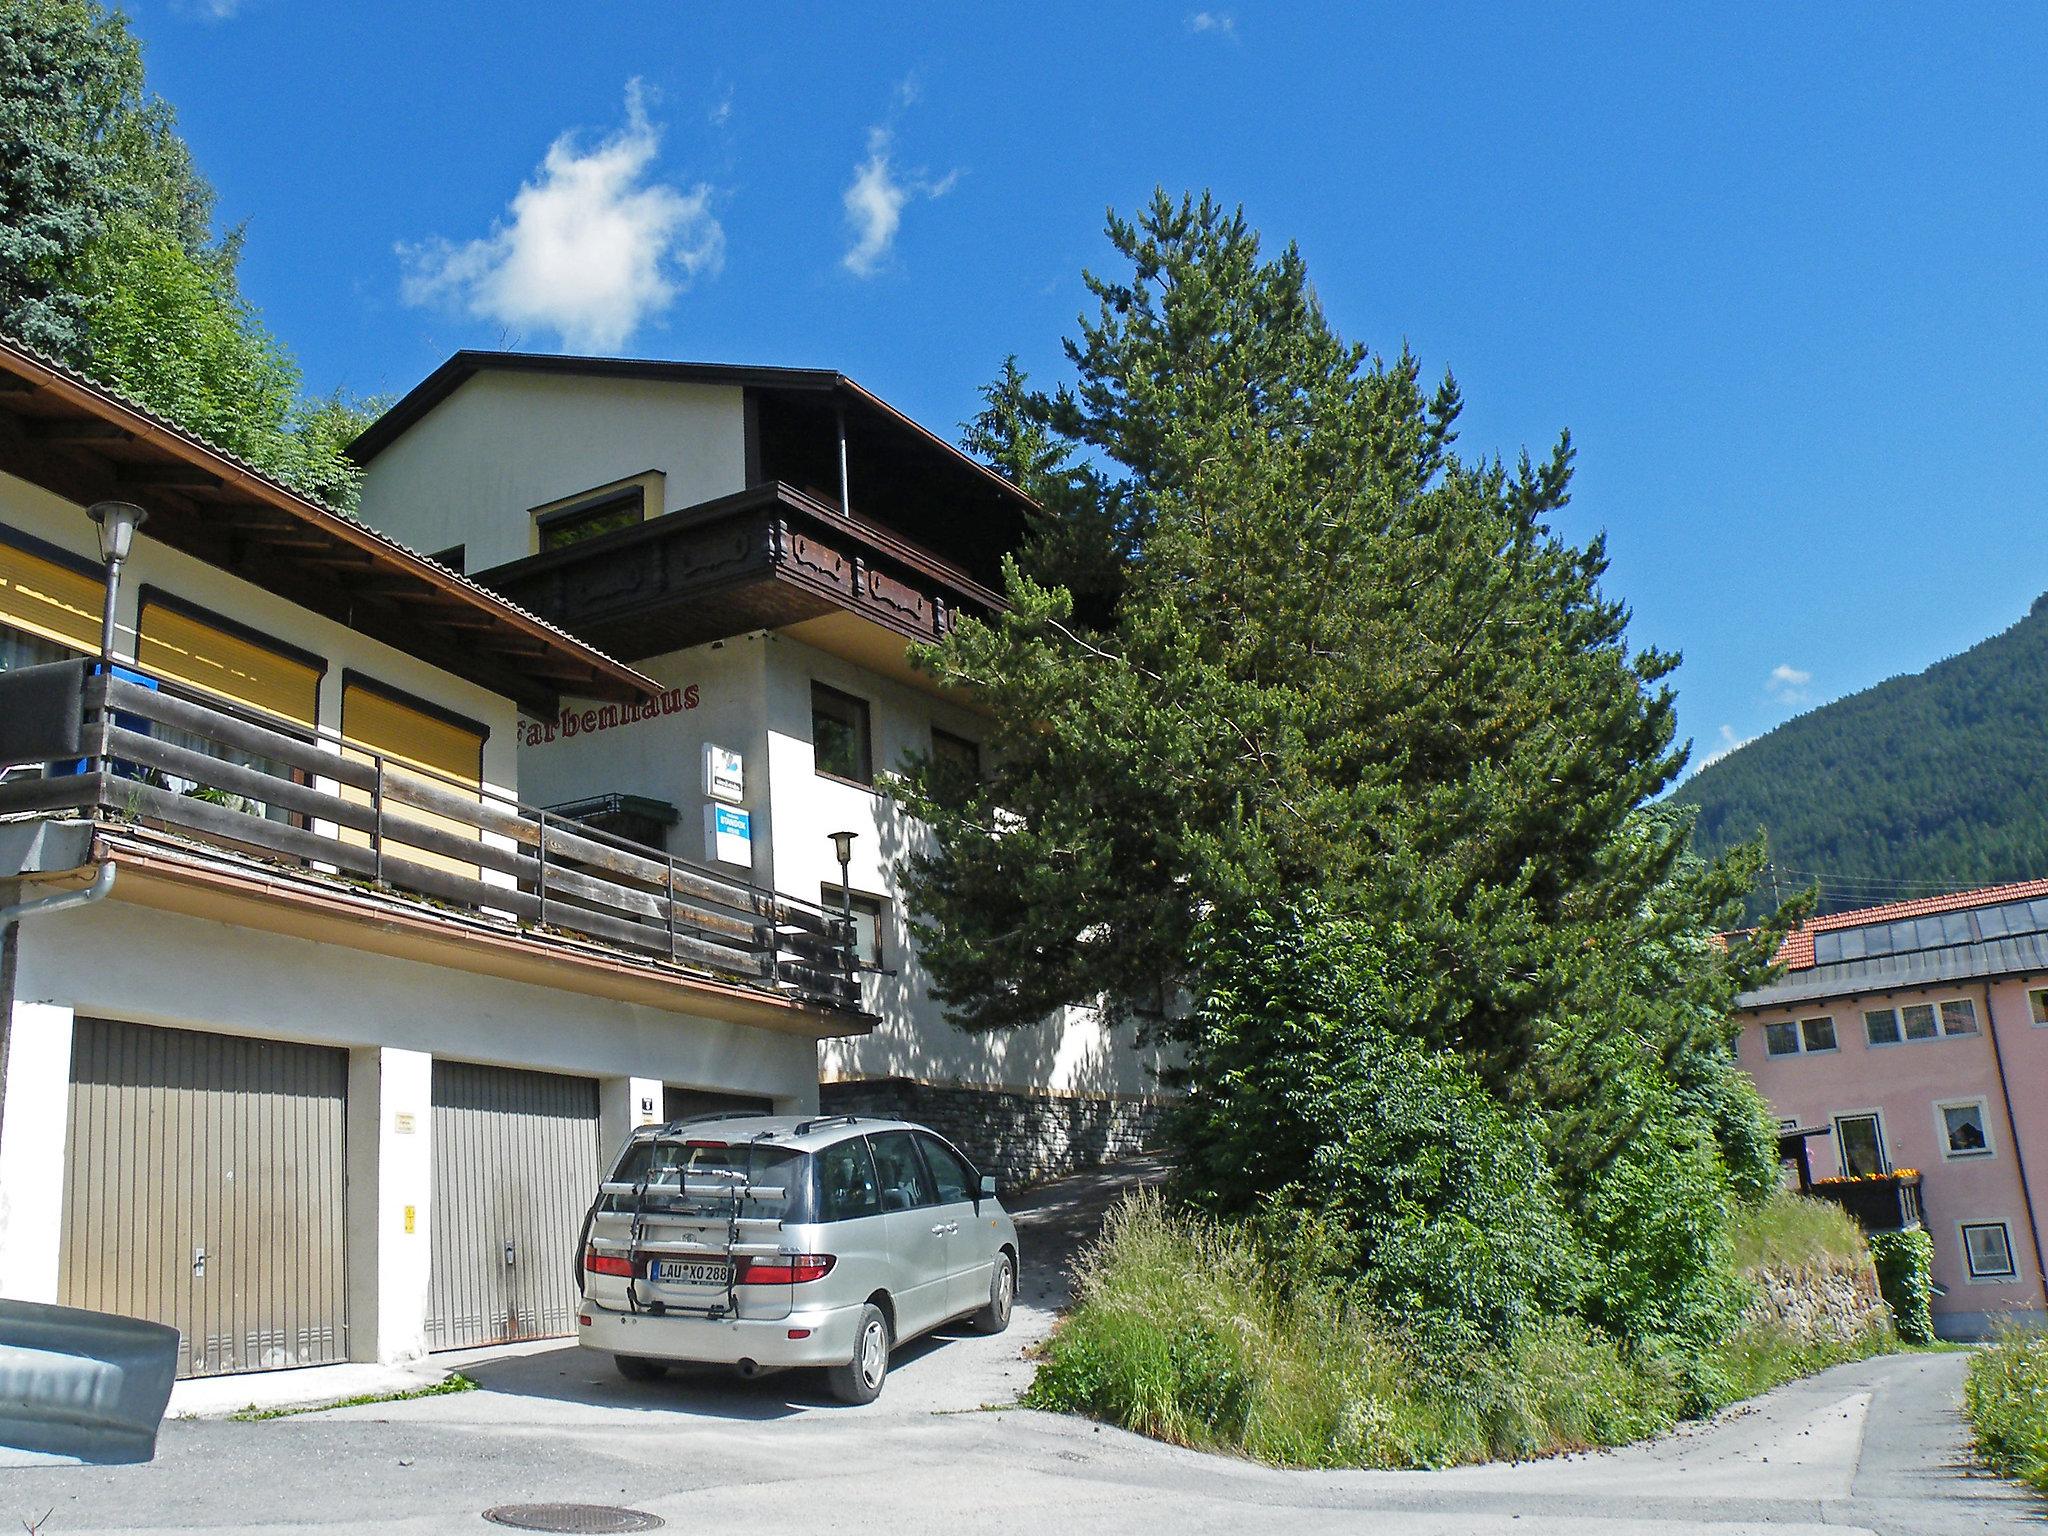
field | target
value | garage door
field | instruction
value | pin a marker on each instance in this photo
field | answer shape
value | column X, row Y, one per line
column 204, row 1189
column 515, row 1167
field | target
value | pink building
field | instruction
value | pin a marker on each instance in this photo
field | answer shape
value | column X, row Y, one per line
column 1915, row 1035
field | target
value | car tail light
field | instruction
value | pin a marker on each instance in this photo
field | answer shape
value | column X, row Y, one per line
column 719, row 1144
column 786, row 1269
column 607, row 1264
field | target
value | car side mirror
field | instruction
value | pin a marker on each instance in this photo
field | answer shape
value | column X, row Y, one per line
column 988, row 1186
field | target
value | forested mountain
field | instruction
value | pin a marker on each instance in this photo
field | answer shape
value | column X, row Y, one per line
column 1939, row 779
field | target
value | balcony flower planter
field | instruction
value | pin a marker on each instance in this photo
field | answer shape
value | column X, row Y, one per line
column 1879, row 1202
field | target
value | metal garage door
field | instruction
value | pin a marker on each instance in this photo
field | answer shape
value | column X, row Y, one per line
column 515, row 1167
column 204, row 1189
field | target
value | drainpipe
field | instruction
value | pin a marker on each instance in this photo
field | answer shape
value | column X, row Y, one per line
column 2019, row 1159
column 845, row 493
column 102, row 882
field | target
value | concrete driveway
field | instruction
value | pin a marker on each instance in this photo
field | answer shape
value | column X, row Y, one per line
column 1875, row 1446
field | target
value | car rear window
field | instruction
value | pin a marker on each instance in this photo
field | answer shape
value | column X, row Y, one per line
column 680, row 1174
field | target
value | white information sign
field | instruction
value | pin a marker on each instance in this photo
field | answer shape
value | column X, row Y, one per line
column 729, row 835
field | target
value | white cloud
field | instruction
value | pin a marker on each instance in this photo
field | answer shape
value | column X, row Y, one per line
column 1213, row 21
column 875, row 201
column 592, row 249
column 1789, row 685
column 1726, row 742
column 721, row 110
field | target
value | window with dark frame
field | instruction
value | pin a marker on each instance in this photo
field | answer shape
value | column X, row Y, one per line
column 1781, row 1039
column 867, row 923
column 1859, row 1145
column 840, row 735
column 1818, row 1034
column 958, row 753
column 1987, row 1250
column 588, row 519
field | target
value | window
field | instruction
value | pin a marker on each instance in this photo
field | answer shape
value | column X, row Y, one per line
column 1987, row 1248
column 1959, row 1017
column 956, row 1181
column 18, row 648
column 605, row 512
column 961, row 756
column 846, row 1182
column 1859, row 1144
column 1881, row 1025
column 1918, row 1019
column 867, row 923
column 839, row 735
column 1963, row 1129
column 1789, row 1037
column 900, row 1172
column 2037, row 1003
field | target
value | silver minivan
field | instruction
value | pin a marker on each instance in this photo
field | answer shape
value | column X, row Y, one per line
column 771, row 1241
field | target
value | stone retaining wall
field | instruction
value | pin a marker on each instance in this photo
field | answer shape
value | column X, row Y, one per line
column 1021, row 1138
column 1829, row 1303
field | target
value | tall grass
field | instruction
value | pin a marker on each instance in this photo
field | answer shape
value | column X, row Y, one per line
column 1791, row 1232
column 1196, row 1332
column 2006, row 1398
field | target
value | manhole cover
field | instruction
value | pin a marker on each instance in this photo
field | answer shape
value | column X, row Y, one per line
column 573, row 1517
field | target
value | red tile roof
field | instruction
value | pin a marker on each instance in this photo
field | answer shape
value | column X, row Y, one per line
column 1796, row 953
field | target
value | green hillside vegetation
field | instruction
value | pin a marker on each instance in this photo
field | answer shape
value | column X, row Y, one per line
column 1938, row 779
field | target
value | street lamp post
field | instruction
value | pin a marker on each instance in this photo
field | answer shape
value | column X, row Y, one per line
column 117, row 522
column 842, row 845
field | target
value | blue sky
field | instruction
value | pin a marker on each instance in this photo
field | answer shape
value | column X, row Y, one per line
column 1781, row 274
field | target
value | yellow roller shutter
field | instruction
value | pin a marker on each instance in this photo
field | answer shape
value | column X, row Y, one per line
column 185, row 648
column 45, row 598
column 372, row 720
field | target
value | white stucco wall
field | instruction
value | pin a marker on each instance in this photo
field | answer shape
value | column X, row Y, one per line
column 753, row 695
column 472, row 469
column 31, row 510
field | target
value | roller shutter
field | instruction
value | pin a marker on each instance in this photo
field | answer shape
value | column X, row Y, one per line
column 51, row 598
column 515, row 1167
column 178, row 644
column 204, row 1188
column 375, row 719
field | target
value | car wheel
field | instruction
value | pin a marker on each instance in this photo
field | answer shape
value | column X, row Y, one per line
column 860, row 1379
column 1002, row 1297
column 638, row 1368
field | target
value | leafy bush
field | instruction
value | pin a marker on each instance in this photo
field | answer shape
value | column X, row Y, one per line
column 1220, row 1335
column 1905, row 1274
column 2006, row 1399
column 1301, row 1097
column 1199, row 1332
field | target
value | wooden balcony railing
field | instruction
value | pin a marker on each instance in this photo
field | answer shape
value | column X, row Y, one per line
column 131, row 748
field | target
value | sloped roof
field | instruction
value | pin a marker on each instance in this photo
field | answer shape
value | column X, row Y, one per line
column 86, row 442
column 1796, row 953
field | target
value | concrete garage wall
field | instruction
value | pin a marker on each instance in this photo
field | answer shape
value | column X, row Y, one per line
column 120, row 961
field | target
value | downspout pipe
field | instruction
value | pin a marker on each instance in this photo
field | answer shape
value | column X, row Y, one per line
column 2019, row 1157
column 102, row 882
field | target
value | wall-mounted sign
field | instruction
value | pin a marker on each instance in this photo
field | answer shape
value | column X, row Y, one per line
column 725, row 774
column 401, row 1122
column 729, row 834
column 606, row 717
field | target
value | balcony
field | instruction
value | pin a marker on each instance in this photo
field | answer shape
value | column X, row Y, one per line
column 135, row 753
column 1879, row 1202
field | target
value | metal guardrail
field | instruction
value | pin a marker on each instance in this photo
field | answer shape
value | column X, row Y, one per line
column 259, row 784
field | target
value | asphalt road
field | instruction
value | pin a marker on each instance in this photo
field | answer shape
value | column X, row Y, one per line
column 1875, row 1446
